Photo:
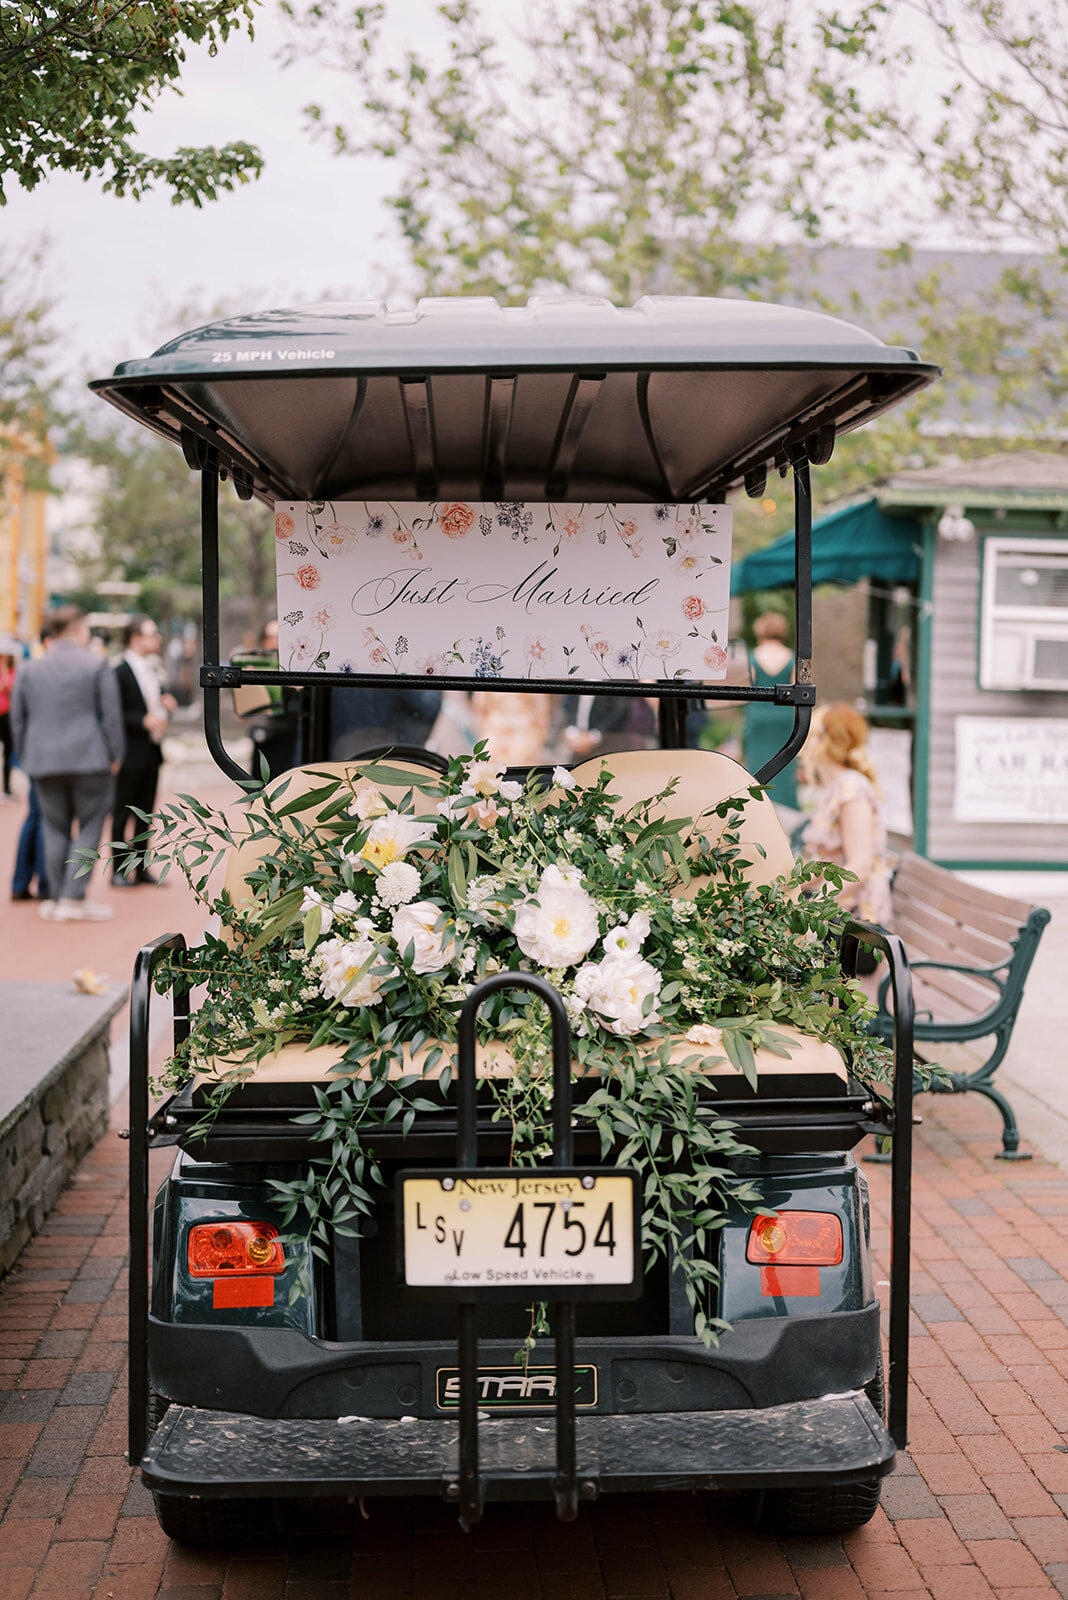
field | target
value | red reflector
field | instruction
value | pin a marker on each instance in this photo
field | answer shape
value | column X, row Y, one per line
column 234, row 1249
column 796, row 1238
column 230, row 1292
column 787, row 1280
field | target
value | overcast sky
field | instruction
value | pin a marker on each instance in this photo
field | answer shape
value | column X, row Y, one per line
column 312, row 223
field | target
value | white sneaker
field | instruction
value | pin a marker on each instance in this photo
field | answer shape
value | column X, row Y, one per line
column 81, row 911
column 47, row 909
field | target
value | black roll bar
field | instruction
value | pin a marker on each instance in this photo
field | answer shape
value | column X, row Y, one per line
column 565, row 1484
column 139, row 1134
column 853, row 936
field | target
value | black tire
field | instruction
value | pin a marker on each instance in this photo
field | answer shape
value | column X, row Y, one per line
column 836, row 1509
column 813, row 1511
column 213, row 1524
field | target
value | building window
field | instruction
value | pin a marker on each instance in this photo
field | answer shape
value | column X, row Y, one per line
column 1024, row 626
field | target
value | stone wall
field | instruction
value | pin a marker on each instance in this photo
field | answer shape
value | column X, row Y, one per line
column 54, row 1110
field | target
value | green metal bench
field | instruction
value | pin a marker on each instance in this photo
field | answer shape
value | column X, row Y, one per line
column 970, row 951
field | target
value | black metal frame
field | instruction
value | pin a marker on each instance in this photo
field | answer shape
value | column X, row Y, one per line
column 467, row 1489
column 216, row 675
column 141, row 1134
column 898, row 1123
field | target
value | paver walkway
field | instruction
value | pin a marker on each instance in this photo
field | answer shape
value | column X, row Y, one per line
column 976, row 1510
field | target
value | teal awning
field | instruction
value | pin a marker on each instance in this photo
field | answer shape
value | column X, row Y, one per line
column 859, row 542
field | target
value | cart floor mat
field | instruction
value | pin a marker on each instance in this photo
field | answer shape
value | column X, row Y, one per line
column 838, row 1439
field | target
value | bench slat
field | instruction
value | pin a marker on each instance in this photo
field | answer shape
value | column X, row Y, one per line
column 941, row 1007
column 945, row 940
column 967, row 895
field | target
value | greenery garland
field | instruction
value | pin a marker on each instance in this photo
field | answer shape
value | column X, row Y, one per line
column 369, row 915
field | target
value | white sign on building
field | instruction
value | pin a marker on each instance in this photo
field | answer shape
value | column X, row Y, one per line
column 1011, row 769
column 513, row 589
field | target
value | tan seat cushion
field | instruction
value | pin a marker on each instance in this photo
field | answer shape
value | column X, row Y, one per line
column 295, row 1063
column 303, row 780
column 704, row 778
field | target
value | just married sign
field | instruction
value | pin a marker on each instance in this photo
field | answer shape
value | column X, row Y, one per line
column 504, row 589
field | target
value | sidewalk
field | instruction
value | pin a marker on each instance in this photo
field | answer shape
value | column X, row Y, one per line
column 35, row 949
column 975, row 1511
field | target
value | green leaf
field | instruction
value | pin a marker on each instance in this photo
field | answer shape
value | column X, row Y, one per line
column 313, row 926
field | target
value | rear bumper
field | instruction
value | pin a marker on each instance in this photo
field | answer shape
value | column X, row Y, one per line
column 283, row 1373
column 219, row 1454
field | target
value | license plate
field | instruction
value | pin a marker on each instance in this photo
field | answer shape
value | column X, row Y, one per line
column 516, row 1388
column 541, row 1233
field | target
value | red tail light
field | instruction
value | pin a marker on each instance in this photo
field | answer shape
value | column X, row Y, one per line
column 234, row 1249
column 796, row 1238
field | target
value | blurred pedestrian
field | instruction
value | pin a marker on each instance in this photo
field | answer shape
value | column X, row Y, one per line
column 847, row 824
column 30, row 850
column 514, row 726
column 7, row 683
column 597, row 725
column 767, row 726
column 369, row 719
column 67, row 722
column 275, row 727
column 145, row 713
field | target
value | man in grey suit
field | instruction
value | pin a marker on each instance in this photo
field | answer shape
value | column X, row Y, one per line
column 67, row 723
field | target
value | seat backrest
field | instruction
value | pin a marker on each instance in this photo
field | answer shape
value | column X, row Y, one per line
column 941, row 918
column 703, row 779
column 249, row 853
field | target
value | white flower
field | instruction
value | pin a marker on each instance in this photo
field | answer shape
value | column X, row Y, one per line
column 627, row 939
column 484, row 897
column 511, row 791
column 340, row 960
column 615, row 853
column 572, row 838
column 574, row 1008
column 313, row 898
column 562, row 778
column 423, row 925
column 397, row 883
column 562, row 926
column 483, row 778
column 616, row 990
column 392, row 836
column 347, row 904
column 368, row 802
column 702, row 1034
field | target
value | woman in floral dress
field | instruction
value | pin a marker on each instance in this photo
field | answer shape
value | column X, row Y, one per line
column 847, row 825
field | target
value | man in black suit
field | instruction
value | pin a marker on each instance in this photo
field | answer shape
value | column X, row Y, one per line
column 145, row 713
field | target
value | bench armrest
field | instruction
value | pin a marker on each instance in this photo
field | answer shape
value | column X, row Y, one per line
column 988, row 1017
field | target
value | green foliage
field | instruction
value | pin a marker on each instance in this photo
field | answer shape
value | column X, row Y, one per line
column 75, row 75
column 146, row 525
column 643, row 145
column 26, row 336
column 690, row 146
column 675, row 963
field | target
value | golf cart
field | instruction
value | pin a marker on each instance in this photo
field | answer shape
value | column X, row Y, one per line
column 390, row 1375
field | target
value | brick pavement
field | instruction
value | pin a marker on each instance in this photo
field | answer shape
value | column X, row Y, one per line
column 976, row 1510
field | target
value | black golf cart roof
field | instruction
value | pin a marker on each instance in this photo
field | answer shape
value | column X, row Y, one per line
column 566, row 398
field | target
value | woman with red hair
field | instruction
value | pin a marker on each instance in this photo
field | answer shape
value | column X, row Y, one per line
column 847, row 825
